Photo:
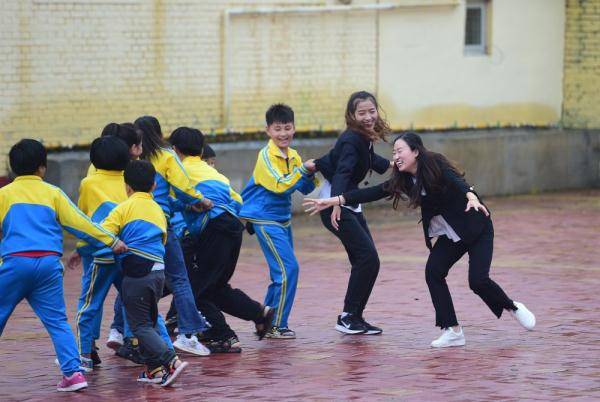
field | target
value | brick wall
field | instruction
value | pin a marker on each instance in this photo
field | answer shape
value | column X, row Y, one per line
column 71, row 66
column 581, row 106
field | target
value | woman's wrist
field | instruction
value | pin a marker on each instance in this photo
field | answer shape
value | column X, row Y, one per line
column 472, row 197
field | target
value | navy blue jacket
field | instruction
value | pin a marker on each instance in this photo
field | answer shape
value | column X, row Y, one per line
column 349, row 161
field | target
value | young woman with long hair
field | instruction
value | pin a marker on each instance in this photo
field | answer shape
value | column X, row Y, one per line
column 344, row 167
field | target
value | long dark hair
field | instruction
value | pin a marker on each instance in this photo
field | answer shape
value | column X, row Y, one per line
column 381, row 128
column 152, row 137
column 429, row 173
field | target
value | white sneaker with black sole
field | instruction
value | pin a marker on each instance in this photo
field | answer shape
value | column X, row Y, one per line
column 350, row 324
column 449, row 338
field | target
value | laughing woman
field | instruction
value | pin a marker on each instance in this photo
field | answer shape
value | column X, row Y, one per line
column 452, row 212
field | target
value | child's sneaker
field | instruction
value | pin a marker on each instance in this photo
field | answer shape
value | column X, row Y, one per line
column 281, row 333
column 449, row 338
column 86, row 365
column 73, row 383
column 175, row 368
column 95, row 356
column 191, row 345
column 115, row 339
column 153, row 377
column 264, row 325
column 130, row 351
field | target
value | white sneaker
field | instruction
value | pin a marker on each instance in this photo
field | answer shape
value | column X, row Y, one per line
column 191, row 345
column 115, row 339
column 449, row 338
column 523, row 316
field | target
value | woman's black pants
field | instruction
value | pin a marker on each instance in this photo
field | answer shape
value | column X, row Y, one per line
column 356, row 238
column 444, row 254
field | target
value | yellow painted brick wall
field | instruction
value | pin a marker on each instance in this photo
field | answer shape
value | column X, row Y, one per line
column 581, row 106
column 68, row 67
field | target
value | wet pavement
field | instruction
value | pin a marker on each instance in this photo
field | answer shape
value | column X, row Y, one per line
column 547, row 255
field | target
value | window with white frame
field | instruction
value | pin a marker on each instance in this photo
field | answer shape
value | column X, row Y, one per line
column 476, row 27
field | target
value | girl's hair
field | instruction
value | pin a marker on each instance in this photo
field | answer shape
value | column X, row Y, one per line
column 152, row 137
column 381, row 128
column 429, row 173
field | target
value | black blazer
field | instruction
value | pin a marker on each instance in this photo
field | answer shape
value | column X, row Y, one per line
column 349, row 161
column 450, row 203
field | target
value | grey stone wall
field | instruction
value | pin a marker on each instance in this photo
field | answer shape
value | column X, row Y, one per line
column 497, row 162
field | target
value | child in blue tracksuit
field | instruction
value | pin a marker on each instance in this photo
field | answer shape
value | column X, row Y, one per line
column 141, row 221
column 279, row 172
column 33, row 214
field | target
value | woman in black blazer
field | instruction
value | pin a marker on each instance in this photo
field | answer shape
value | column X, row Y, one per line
column 344, row 167
column 450, row 211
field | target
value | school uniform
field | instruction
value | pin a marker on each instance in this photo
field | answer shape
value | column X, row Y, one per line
column 344, row 167
column 141, row 224
column 458, row 232
column 99, row 193
column 268, row 207
column 171, row 178
column 212, row 248
column 33, row 214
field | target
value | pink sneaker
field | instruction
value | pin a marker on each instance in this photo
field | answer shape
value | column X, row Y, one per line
column 73, row 383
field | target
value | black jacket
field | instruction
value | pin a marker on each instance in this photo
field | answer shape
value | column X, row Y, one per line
column 450, row 203
column 347, row 164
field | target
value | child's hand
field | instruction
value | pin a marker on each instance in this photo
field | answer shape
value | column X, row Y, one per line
column 310, row 165
column 119, row 247
column 203, row 205
column 74, row 261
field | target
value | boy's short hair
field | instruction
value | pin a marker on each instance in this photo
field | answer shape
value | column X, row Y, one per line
column 189, row 141
column 208, row 152
column 279, row 113
column 27, row 156
column 125, row 131
column 109, row 153
column 140, row 175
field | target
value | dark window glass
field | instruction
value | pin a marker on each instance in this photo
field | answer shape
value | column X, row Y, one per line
column 473, row 28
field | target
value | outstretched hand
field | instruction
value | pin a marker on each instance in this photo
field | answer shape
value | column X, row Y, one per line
column 314, row 205
column 477, row 206
column 310, row 165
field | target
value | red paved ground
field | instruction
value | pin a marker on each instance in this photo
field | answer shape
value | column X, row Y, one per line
column 547, row 255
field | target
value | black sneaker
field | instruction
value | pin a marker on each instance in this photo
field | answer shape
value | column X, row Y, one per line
column 95, row 357
column 265, row 323
column 371, row 329
column 130, row 352
column 350, row 324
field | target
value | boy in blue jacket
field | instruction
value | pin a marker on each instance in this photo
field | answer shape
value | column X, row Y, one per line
column 278, row 172
column 33, row 215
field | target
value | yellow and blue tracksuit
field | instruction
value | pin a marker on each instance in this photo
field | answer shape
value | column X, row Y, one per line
column 99, row 193
column 214, row 186
column 268, row 206
column 141, row 224
column 172, row 178
column 33, row 214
